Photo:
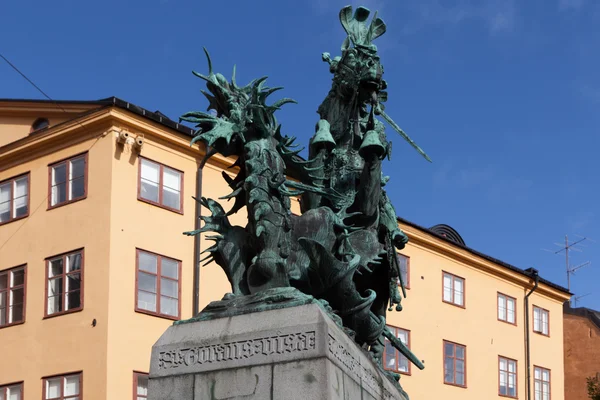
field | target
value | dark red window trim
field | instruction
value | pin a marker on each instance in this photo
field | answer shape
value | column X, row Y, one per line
column 9, row 288
column 506, row 297
column 516, row 375
column 136, row 375
column 398, row 354
column 79, row 396
column 64, row 276
column 7, row 385
column 12, row 199
column 161, row 168
column 158, row 278
column 454, row 358
column 464, row 291
column 549, row 381
column 541, row 332
column 67, row 162
column 407, row 283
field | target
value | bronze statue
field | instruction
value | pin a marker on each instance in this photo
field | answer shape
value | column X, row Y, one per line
column 342, row 249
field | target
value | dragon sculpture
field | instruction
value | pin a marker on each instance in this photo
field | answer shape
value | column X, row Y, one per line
column 342, row 248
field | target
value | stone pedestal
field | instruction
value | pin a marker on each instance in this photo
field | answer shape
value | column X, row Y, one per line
column 283, row 354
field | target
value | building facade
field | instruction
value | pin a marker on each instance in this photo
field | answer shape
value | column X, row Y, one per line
column 94, row 197
column 582, row 350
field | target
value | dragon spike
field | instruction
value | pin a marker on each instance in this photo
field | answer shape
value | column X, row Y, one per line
column 281, row 102
column 208, row 262
column 205, row 258
column 404, row 135
column 210, row 70
column 233, row 77
column 232, row 194
column 193, row 233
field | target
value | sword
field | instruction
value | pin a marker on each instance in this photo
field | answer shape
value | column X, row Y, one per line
column 403, row 134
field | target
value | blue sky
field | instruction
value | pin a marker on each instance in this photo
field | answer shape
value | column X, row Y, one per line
column 503, row 95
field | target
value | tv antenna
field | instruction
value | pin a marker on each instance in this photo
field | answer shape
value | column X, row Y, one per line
column 576, row 298
column 571, row 246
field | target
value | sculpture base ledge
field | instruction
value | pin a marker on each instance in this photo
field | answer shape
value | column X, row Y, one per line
column 282, row 354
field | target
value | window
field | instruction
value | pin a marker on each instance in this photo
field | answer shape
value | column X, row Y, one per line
column 12, row 392
column 507, row 369
column 68, row 181
column 158, row 285
column 404, row 263
column 14, row 198
column 455, row 364
column 506, row 308
column 541, row 382
column 38, row 124
column 454, row 290
column 63, row 387
column 12, row 297
column 160, row 185
column 140, row 386
column 64, row 291
column 541, row 321
column 394, row 360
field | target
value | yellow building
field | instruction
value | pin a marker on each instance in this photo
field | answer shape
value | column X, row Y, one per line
column 94, row 197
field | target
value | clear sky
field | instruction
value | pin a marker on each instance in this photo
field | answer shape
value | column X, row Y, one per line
column 503, row 95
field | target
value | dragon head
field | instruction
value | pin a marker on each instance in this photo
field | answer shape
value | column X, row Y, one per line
column 241, row 113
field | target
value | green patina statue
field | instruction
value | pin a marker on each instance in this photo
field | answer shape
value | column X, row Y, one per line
column 341, row 249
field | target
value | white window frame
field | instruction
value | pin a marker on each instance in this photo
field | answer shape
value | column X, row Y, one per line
column 541, row 320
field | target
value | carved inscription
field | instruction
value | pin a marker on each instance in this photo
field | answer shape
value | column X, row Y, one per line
column 283, row 344
column 354, row 367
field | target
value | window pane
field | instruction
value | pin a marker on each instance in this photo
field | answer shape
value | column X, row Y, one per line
column 169, row 268
column 171, row 179
column 55, row 286
column 55, row 304
column 458, row 297
column 171, row 198
column 14, row 393
column 545, row 375
column 18, row 277
column 460, row 379
column 73, row 300
column 149, row 180
column 168, row 306
column 72, row 385
column 390, row 356
column 16, row 313
column 59, row 174
column 77, row 168
column 73, row 262
column 17, row 296
column 142, row 385
column 3, row 319
column 20, row 203
column 512, row 366
column 458, row 285
column 147, row 262
column 5, row 197
column 503, row 366
column 53, row 387
column 402, row 363
column 73, row 282
column 59, row 194
column 77, row 188
column 460, row 352
column 147, row 282
column 56, row 267
column 3, row 281
column 169, row 288
column 146, row 301
column 537, row 373
column 460, row 366
column 449, row 370
column 449, row 349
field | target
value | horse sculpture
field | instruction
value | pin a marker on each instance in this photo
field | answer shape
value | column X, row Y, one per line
column 342, row 248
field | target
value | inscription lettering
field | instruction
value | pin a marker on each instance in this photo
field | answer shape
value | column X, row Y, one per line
column 283, row 344
column 354, row 367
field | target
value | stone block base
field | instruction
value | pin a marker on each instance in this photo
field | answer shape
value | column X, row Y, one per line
column 285, row 354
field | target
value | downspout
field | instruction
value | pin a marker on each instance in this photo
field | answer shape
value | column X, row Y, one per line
column 196, row 299
column 534, row 274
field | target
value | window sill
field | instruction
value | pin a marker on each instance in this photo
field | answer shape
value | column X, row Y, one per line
column 455, row 305
column 180, row 212
column 12, row 324
column 157, row 315
column 14, row 219
column 66, row 203
column 508, row 323
column 456, row 385
column 58, row 314
column 507, row 396
column 542, row 334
